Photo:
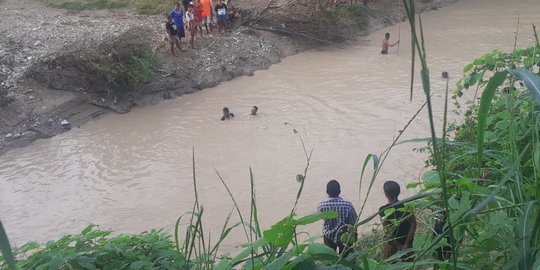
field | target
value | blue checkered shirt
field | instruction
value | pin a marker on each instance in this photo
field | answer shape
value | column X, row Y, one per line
column 346, row 215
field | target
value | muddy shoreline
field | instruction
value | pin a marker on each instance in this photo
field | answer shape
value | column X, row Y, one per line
column 38, row 108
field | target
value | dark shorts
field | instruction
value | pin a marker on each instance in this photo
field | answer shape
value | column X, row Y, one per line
column 384, row 52
column 181, row 31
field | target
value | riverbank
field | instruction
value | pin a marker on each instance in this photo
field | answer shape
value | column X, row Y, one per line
column 34, row 56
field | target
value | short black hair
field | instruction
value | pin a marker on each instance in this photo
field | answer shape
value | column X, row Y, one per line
column 225, row 109
column 391, row 189
column 333, row 188
column 256, row 108
column 387, row 35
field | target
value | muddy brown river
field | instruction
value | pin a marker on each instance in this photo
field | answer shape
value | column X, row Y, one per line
column 133, row 172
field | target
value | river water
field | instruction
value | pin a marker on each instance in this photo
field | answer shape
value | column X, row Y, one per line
column 133, row 172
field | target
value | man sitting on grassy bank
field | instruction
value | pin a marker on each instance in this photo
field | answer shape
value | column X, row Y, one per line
column 399, row 223
column 334, row 228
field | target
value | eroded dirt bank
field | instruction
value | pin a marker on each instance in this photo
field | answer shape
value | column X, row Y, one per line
column 47, row 76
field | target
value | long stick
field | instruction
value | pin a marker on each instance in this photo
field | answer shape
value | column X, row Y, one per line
column 399, row 26
column 399, row 37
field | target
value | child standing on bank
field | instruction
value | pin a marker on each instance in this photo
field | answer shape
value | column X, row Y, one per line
column 190, row 18
column 221, row 11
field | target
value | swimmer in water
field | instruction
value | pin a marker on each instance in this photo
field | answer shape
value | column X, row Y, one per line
column 226, row 114
column 254, row 110
column 386, row 43
column 445, row 74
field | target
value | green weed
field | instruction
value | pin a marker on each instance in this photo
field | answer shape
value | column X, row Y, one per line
column 91, row 4
column 153, row 6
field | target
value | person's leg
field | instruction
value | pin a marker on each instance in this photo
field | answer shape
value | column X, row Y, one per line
column 172, row 46
column 192, row 33
column 205, row 22
column 177, row 41
column 329, row 243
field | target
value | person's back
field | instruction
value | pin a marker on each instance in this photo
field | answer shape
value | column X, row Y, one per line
column 335, row 227
column 399, row 224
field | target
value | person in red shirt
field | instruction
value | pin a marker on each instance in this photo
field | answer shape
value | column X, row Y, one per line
column 198, row 9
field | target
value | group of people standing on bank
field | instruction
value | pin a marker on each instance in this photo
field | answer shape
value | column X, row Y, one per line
column 399, row 223
column 193, row 15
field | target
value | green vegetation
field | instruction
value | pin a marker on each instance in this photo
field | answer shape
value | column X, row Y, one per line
column 123, row 70
column 93, row 249
column 90, row 4
column 484, row 184
column 148, row 7
column 151, row 7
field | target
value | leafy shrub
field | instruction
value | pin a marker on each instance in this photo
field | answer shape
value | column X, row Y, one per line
column 95, row 249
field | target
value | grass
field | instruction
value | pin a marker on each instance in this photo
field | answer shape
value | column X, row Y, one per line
column 152, row 7
column 146, row 7
column 90, row 4
column 124, row 70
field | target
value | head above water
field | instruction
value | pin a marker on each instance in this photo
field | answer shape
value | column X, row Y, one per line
column 387, row 35
column 333, row 189
column 445, row 74
column 391, row 189
column 225, row 110
column 254, row 109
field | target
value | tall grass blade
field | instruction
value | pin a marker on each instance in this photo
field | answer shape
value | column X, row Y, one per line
column 254, row 217
column 224, row 233
column 303, row 177
column 376, row 163
column 485, row 102
column 410, row 15
column 536, row 35
column 234, row 202
column 525, row 230
column 5, row 247
column 532, row 81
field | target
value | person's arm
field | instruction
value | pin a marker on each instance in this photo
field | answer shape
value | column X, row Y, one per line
column 397, row 42
column 411, row 232
column 354, row 216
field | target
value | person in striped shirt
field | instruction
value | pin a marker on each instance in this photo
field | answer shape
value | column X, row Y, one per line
column 334, row 228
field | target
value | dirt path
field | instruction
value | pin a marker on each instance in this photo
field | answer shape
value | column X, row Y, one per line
column 32, row 34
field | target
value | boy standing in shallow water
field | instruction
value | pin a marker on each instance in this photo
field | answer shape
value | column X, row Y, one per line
column 386, row 43
column 399, row 224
